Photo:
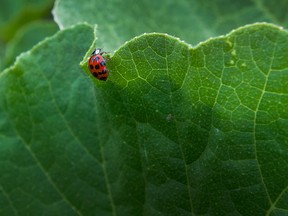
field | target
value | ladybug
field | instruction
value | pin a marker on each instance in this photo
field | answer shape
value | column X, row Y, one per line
column 97, row 65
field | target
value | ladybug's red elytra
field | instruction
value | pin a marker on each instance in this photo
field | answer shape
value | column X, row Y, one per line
column 97, row 65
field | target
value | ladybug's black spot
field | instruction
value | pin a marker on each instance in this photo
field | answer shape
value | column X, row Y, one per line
column 103, row 78
column 91, row 66
column 95, row 74
column 104, row 71
column 103, row 63
column 97, row 67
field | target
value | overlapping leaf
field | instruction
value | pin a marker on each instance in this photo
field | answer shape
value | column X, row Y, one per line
column 193, row 21
column 174, row 130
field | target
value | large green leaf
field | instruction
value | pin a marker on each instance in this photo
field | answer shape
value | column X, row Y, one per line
column 210, row 123
column 174, row 131
column 190, row 20
column 48, row 160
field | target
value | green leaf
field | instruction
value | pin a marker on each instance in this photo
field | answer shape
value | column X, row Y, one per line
column 174, row 131
column 193, row 21
column 46, row 167
column 210, row 123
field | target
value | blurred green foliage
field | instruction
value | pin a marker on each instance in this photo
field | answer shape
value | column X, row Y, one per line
column 23, row 23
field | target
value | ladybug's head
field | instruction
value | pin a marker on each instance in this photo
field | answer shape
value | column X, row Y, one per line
column 96, row 51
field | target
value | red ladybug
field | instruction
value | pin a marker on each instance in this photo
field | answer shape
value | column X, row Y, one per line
column 97, row 65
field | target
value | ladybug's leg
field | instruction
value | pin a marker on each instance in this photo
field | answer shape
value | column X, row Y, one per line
column 107, row 58
column 104, row 53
